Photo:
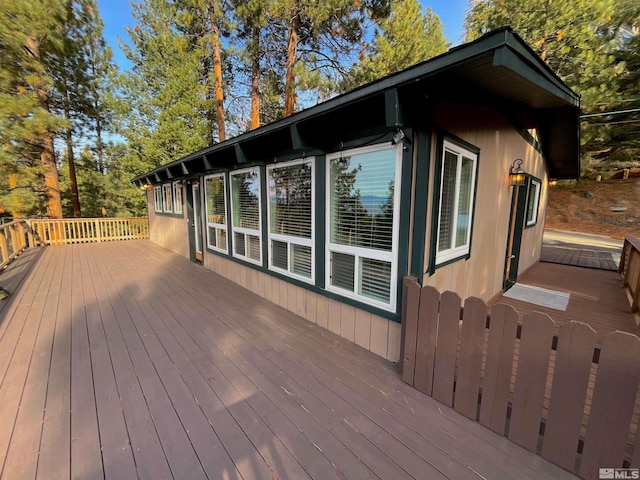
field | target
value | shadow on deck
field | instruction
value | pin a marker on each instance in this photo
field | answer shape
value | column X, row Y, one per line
column 124, row 360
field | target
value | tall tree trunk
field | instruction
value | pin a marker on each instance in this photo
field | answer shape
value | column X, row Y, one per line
column 255, row 80
column 47, row 152
column 99, row 143
column 217, row 70
column 73, row 179
column 292, row 56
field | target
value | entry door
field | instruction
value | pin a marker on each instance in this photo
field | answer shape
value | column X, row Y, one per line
column 195, row 224
column 514, row 240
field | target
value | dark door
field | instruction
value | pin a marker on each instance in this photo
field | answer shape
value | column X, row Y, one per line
column 195, row 221
column 514, row 240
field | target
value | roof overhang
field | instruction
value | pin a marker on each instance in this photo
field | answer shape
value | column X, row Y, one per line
column 499, row 70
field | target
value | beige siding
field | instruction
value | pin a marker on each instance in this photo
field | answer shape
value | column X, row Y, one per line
column 499, row 143
column 377, row 334
column 167, row 230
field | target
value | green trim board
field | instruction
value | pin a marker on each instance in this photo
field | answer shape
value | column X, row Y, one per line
column 264, row 227
column 320, row 165
column 529, row 181
column 421, row 199
column 405, row 216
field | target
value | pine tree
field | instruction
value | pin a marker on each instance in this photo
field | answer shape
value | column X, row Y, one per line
column 31, row 33
column 407, row 36
column 570, row 36
column 162, row 108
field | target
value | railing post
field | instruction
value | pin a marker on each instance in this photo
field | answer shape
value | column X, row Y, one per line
column 98, row 232
column 4, row 250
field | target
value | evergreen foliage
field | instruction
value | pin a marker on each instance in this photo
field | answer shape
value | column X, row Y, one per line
column 406, row 37
column 580, row 41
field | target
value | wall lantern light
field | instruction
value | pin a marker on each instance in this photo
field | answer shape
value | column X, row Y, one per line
column 516, row 173
column 552, row 182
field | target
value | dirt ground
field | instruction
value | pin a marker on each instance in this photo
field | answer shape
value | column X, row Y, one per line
column 610, row 207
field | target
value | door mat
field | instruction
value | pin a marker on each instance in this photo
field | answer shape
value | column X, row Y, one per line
column 539, row 296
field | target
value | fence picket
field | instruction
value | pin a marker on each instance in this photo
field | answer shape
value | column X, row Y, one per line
column 613, row 399
column 531, row 379
column 568, row 393
column 474, row 320
column 447, row 345
column 412, row 295
column 426, row 344
column 497, row 376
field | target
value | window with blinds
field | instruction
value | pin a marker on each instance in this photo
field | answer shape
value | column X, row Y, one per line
column 457, row 188
column 245, row 214
column 157, row 198
column 215, row 188
column 533, row 202
column 177, row 198
column 290, row 212
column 362, row 218
column 166, row 198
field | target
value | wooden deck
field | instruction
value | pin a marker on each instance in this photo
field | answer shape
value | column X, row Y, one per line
column 123, row 360
column 597, row 297
column 600, row 259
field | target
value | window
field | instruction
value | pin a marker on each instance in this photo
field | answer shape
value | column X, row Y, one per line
column 290, row 209
column 245, row 211
column 533, row 200
column 177, row 198
column 362, row 223
column 457, row 188
column 215, row 188
column 157, row 198
column 166, row 197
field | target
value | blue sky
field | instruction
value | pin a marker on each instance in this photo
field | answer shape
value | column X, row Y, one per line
column 117, row 15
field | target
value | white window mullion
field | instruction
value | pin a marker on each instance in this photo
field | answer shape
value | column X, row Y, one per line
column 456, row 202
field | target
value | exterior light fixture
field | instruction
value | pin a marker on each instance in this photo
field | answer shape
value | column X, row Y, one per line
column 516, row 173
column 552, row 182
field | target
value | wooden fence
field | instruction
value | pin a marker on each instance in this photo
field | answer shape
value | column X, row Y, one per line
column 630, row 270
column 561, row 396
column 86, row 230
column 14, row 238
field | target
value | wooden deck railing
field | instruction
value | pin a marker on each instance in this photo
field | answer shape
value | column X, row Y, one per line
column 561, row 396
column 630, row 270
column 19, row 235
column 86, row 230
column 14, row 238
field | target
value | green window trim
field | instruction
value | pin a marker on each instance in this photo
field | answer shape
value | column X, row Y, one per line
column 532, row 212
column 455, row 188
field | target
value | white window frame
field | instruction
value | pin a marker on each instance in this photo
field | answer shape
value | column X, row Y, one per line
column 157, row 199
column 361, row 252
column 292, row 239
column 177, row 204
column 217, row 226
column 166, row 202
column 454, row 252
column 533, row 183
column 246, row 231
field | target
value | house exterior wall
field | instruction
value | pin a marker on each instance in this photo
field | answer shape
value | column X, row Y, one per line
column 168, row 230
column 379, row 335
column 482, row 274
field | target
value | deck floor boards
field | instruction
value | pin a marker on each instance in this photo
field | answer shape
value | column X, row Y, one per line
column 124, row 360
column 596, row 297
